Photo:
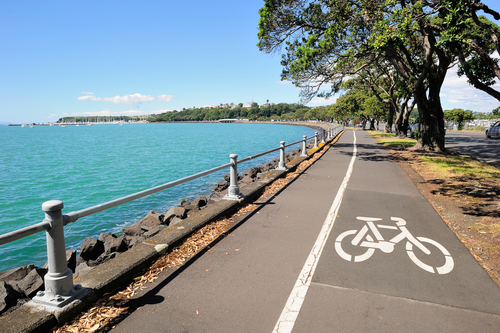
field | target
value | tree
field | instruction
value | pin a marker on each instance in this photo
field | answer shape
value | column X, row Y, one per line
column 327, row 41
column 496, row 112
column 474, row 38
column 459, row 116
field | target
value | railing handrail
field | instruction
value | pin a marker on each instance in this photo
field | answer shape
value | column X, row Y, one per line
column 246, row 159
column 59, row 281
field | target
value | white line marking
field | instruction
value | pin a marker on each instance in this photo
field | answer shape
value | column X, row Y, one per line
column 294, row 303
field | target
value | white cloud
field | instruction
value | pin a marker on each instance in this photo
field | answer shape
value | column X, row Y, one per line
column 457, row 93
column 283, row 82
column 108, row 112
column 323, row 101
column 87, row 93
column 165, row 98
column 134, row 99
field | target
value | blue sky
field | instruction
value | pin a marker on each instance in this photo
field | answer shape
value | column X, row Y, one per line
column 63, row 58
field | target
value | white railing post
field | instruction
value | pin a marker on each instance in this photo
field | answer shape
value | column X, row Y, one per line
column 315, row 140
column 281, row 164
column 58, row 281
column 233, row 192
column 323, row 137
column 304, row 151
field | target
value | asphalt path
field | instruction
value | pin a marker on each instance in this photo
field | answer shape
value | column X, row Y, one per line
column 475, row 145
column 316, row 258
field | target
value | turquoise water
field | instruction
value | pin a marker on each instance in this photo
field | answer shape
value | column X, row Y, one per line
column 87, row 165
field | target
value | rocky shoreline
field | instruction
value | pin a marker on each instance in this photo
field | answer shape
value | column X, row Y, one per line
column 19, row 285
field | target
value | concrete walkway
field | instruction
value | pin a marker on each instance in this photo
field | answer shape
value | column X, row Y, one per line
column 330, row 227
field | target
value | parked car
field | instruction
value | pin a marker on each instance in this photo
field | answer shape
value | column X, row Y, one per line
column 413, row 128
column 493, row 131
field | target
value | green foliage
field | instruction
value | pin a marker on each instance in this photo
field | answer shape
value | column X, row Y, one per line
column 496, row 112
column 459, row 116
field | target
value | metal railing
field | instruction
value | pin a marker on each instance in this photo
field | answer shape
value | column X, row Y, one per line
column 59, row 288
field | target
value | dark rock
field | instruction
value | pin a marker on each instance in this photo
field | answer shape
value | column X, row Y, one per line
column 8, row 296
column 112, row 244
column 221, row 186
column 175, row 221
column 179, row 212
column 152, row 219
column 70, row 260
column 252, row 173
column 227, row 177
column 104, row 235
column 79, row 260
column 33, row 282
column 200, row 201
column 102, row 259
column 133, row 230
column 136, row 240
column 191, row 208
column 267, row 166
column 151, row 232
column 91, row 248
column 16, row 274
column 246, row 180
column 214, row 197
column 184, row 203
column 81, row 269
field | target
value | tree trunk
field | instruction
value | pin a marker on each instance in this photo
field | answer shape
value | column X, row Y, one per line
column 390, row 116
column 431, row 126
column 372, row 124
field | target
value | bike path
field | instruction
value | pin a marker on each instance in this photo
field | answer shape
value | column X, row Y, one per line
column 388, row 292
column 243, row 283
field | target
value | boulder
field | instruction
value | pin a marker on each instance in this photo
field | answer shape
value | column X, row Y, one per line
column 91, row 248
column 184, row 203
column 227, row 177
column 136, row 240
column 102, row 259
column 179, row 212
column 175, row 221
column 214, row 197
column 252, row 173
column 32, row 282
column 200, row 201
column 221, row 186
column 267, row 166
column 151, row 232
column 70, row 260
column 8, row 296
column 191, row 208
column 133, row 230
column 152, row 219
column 81, row 269
column 16, row 274
column 115, row 244
column 246, row 180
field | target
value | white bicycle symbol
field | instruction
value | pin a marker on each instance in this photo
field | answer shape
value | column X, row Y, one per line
column 363, row 239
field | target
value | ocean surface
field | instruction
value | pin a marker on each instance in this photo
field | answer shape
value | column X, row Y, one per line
column 87, row 165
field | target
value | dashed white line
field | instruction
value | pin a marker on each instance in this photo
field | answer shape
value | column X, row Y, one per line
column 294, row 303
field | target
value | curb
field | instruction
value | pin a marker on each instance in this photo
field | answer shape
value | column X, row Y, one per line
column 117, row 272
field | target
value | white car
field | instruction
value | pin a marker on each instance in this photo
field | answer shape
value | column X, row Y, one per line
column 493, row 131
